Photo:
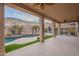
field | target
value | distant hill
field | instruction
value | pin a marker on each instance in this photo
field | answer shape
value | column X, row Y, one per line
column 13, row 21
column 19, row 20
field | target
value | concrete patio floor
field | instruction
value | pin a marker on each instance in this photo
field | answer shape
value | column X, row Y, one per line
column 60, row 46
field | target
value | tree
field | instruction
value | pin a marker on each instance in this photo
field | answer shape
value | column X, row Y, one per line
column 15, row 29
column 35, row 29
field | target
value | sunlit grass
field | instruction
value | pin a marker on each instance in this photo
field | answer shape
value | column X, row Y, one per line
column 13, row 47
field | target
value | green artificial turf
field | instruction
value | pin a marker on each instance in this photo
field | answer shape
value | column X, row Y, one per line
column 12, row 47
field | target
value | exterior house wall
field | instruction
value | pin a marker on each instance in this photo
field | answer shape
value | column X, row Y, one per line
column 27, row 29
column 68, row 28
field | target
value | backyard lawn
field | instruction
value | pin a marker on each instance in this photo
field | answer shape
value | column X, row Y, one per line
column 13, row 47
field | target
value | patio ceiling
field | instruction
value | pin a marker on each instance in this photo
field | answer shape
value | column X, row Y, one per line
column 59, row 12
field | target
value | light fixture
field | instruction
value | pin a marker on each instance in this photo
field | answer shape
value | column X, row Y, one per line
column 42, row 5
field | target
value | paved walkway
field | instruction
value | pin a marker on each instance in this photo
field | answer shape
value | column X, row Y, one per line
column 60, row 46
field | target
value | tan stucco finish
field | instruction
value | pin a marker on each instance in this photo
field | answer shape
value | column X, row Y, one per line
column 1, row 29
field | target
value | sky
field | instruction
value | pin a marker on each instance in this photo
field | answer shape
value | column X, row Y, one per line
column 11, row 12
column 14, row 13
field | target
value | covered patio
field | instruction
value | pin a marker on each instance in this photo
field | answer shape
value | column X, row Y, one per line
column 59, row 46
column 56, row 13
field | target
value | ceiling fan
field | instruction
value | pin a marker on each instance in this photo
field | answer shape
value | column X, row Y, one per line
column 66, row 20
column 42, row 5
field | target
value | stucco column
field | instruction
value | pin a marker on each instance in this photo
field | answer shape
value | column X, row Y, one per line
column 76, row 30
column 41, row 31
column 59, row 28
column 2, row 29
column 53, row 29
column 78, row 27
column 68, row 31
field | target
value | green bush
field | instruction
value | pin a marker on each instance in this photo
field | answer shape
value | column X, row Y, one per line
column 46, row 37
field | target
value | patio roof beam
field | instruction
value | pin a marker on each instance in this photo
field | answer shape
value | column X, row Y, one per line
column 77, row 20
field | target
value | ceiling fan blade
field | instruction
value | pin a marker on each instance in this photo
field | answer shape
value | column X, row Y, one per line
column 35, row 4
column 42, row 5
column 49, row 3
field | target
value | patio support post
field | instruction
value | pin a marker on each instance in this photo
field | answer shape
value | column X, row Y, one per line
column 2, row 50
column 76, row 32
column 59, row 29
column 41, row 32
column 78, row 27
column 68, row 31
column 53, row 29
